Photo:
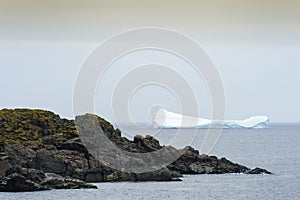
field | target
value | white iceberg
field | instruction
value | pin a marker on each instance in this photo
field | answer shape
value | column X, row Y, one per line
column 166, row 119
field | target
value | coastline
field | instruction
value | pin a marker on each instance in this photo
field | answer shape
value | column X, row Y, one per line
column 41, row 151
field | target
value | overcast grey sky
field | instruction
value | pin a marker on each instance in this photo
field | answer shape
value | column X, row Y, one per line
column 254, row 44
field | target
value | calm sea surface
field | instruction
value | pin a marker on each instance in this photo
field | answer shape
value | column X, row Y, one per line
column 276, row 149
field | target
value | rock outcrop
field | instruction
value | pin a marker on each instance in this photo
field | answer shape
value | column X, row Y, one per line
column 39, row 151
column 28, row 179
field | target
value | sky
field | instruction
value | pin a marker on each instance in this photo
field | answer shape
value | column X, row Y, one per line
column 255, row 46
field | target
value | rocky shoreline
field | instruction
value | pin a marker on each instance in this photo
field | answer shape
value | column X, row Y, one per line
column 41, row 151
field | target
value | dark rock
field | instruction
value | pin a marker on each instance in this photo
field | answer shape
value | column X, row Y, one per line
column 4, row 166
column 39, row 150
column 146, row 144
column 18, row 183
column 191, row 162
column 20, row 179
column 2, row 147
column 34, row 175
column 49, row 162
column 159, row 175
column 94, row 175
column 118, row 176
column 54, row 181
column 74, row 146
column 258, row 170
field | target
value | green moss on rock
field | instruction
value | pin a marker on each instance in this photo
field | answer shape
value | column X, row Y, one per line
column 27, row 125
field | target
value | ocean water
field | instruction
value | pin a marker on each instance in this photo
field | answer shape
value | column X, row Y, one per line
column 276, row 149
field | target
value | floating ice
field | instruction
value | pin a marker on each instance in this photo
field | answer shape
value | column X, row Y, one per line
column 166, row 119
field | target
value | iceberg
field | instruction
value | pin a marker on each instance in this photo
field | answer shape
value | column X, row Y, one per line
column 167, row 119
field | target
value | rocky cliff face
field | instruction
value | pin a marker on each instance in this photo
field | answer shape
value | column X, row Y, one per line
column 39, row 150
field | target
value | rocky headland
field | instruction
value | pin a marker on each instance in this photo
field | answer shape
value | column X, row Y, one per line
column 41, row 151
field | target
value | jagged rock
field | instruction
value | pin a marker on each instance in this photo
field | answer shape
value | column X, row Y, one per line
column 19, row 179
column 31, row 174
column 39, row 150
column 74, row 146
column 192, row 163
column 18, row 183
column 258, row 170
column 147, row 143
column 54, row 181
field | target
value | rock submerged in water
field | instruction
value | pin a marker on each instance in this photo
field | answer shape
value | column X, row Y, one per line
column 258, row 170
column 41, row 151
